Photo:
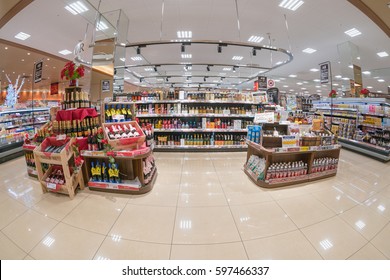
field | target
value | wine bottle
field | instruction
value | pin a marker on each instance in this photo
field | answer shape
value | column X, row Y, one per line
column 93, row 172
column 79, row 129
column 104, row 173
column 98, row 172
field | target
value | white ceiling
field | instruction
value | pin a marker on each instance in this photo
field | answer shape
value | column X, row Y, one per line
column 316, row 24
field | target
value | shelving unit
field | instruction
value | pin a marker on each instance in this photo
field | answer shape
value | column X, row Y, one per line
column 362, row 124
column 307, row 156
column 208, row 117
column 14, row 124
column 131, row 166
column 64, row 160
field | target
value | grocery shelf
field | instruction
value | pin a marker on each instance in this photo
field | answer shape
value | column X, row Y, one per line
column 199, row 130
column 366, row 148
column 192, row 116
column 194, row 148
column 186, row 101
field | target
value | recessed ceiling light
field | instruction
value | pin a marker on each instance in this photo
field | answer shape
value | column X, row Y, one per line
column 277, row 80
column 227, row 69
column 318, row 90
column 286, row 86
column 303, row 88
column 184, row 34
column 345, row 78
column 149, row 69
column 6, row 48
column 336, row 85
column 292, row 76
column 381, row 80
column 291, row 90
column 136, row 58
column 236, row 57
column 338, row 77
column 123, row 59
column 366, row 72
column 255, row 39
column 353, row 32
column 65, row 52
column 309, row 50
column 318, row 86
column 358, row 58
column 305, row 82
column 350, row 66
column 369, row 87
column 22, row 36
column 186, row 55
column 299, row 84
column 314, row 70
column 101, row 26
column 379, row 91
column 76, row 8
column 382, row 54
column 292, row 5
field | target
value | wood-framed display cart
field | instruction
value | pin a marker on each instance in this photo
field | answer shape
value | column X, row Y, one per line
column 136, row 169
column 271, row 165
column 306, row 156
column 63, row 161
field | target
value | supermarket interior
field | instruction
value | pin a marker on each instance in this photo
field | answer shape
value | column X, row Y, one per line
column 194, row 130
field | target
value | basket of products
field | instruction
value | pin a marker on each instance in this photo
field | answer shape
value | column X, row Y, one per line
column 124, row 135
column 311, row 140
column 54, row 149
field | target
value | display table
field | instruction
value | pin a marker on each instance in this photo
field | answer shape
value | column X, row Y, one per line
column 307, row 155
column 131, row 165
column 76, row 114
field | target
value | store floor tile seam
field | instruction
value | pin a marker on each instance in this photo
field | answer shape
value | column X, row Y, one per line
column 299, row 229
column 174, row 219
column 234, row 220
column 13, row 242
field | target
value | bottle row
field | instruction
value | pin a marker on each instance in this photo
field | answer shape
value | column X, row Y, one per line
column 18, row 118
column 105, row 173
column 323, row 164
column 75, row 99
column 76, row 128
column 54, row 149
column 121, row 131
column 56, row 176
column 207, row 123
column 200, row 140
column 286, row 170
column 30, row 160
column 169, row 109
column 94, row 141
column 117, row 112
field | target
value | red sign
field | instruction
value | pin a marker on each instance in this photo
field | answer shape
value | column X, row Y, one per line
column 256, row 85
column 54, row 88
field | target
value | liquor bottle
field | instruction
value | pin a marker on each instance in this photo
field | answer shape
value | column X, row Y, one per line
column 79, row 129
column 107, row 112
column 104, row 173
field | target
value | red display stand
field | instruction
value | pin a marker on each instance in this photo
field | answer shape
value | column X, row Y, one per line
column 76, row 114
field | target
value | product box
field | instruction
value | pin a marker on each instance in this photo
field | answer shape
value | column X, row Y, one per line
column 125, row 143
column 237, row 124
column 254, row 133
column 204, row 123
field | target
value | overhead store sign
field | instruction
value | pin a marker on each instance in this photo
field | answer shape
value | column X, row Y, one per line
column 325, row 72
column 38, row 71
column 262, row 82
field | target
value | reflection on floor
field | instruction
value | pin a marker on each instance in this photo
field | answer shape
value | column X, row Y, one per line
column 203, row 206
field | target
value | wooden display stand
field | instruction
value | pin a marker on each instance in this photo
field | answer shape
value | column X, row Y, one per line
column 303, row 154
column 66, row 156
column 29, row 152
column 130, row 167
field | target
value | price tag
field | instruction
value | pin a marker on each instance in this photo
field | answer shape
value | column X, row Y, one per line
column 51, row 186
column 118, row 117
column 61, row 137
column 268, row 117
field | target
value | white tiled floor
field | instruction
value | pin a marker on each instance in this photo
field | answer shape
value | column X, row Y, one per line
column 202, row 206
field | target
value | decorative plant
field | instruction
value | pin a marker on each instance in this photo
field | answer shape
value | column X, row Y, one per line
column 71, row 72
column 365, row 92
column 332, row 93
column 107, row 147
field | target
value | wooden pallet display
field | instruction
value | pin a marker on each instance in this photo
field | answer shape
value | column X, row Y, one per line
column 61, row 159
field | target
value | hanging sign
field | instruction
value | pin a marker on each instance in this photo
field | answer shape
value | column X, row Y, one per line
column 262, row 81
column 325, row 72
column 271, row 83
column 38, row 71
column 256, row 85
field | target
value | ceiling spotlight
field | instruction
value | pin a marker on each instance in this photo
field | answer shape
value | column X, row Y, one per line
column 155, row 68
column 234, row 69
column 141, row 80
column 219, row 48
column 167, row 79
column 204, row 79
column 208, row 68
column 254, row 52
column 138, row 50
column 183, row 48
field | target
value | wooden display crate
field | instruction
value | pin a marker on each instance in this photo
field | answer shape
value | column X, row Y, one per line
column 125, row 143
column 54, row 158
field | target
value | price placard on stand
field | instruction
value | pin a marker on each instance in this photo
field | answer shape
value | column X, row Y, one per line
column 267, row 117
column 290, row 141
